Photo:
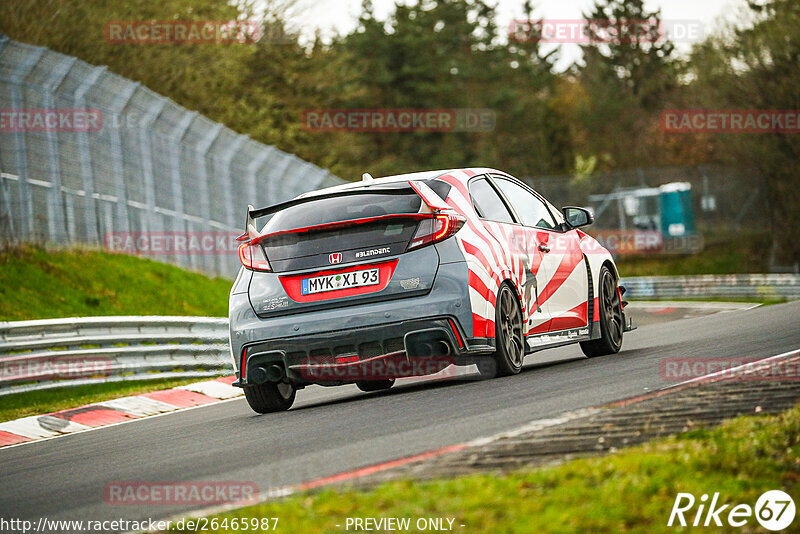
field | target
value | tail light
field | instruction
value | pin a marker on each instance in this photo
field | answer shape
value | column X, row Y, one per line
column 437, row 228
column 458, row 336
column 252, row 257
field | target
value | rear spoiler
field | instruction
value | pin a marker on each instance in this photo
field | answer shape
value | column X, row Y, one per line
column 431, row 199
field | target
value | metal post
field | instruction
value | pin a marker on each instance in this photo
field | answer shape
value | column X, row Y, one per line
column 202, row 184
column 278, row 178
column 56, row 222
column 148, row 221
column 121, row 220
column 234, row 147
column 25, row 197
column 306, row 178
column 85, row 156
column 6, row 216
column 178, row 220
column 252, row 169
column 69, row 213
column 320, row 176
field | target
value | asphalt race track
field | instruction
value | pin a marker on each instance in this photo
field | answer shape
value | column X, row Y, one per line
column 338, row 429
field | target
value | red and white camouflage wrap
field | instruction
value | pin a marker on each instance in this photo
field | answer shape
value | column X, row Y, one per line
column 496, row 252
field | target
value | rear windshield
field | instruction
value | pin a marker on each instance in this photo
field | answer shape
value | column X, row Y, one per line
column 330, row 210
column 350, row 207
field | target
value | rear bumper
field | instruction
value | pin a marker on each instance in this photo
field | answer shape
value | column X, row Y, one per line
column 368, row 330
column 393, row 350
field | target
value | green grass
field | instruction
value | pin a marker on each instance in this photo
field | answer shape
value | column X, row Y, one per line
column 630, row 491
column 722, row 254
column 39, row 284
column 18, row 405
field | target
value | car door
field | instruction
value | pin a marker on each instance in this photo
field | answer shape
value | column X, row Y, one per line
column 524, row 261
column 564, row 292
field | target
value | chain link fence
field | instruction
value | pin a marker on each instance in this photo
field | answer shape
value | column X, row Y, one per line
column 724, row 198
column 724, row 203
column 87, row 155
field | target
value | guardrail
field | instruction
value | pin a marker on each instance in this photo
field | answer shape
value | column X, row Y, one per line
column 728, row 286
column 53, row 353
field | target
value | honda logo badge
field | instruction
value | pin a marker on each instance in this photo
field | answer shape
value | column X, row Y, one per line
column 336, row 257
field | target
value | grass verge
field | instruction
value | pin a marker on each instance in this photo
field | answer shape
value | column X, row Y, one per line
column 40, row 284
column 630, row 491
column 17, row 405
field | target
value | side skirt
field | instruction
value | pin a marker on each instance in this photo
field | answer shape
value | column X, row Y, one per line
column 550, row 340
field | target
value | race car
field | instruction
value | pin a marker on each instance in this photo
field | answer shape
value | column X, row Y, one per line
column 413, row 275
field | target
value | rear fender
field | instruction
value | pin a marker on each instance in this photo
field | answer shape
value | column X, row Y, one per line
column 596, row 256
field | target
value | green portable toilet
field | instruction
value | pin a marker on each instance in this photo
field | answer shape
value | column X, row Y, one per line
column 677, row 214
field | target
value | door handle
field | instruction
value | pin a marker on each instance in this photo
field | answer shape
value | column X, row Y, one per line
column 544, row 248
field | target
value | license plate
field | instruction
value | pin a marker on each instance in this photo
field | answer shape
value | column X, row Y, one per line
column 334, row 282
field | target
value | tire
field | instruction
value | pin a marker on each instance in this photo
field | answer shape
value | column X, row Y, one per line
column 375, row 385
column 611, row 320
column 509, row 341
column 270, row 397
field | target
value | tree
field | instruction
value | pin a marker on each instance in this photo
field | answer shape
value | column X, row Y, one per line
column 754, row 66
column 197, row 76
column 626, row 76
column 629, row 43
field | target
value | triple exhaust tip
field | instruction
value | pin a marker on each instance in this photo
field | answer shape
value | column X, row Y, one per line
column 270, row 373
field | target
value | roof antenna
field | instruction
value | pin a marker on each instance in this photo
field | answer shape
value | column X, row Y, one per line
column 366, row 177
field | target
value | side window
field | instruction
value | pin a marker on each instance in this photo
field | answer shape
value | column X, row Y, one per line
column 528, row 206
column 488, row 203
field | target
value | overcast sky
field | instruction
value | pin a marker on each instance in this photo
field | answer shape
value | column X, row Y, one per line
column 341, row 15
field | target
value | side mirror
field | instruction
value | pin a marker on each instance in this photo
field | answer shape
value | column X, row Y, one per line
column 577, row 217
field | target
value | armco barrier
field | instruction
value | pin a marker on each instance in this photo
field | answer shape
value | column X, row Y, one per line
column 52, row 353
column 728, row 286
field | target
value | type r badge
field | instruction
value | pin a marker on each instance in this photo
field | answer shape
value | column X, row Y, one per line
column 336, row 257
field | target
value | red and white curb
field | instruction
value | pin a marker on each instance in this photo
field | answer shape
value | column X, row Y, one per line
column 38, row 427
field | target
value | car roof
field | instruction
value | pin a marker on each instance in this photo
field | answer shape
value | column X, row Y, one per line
column 421, row 175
